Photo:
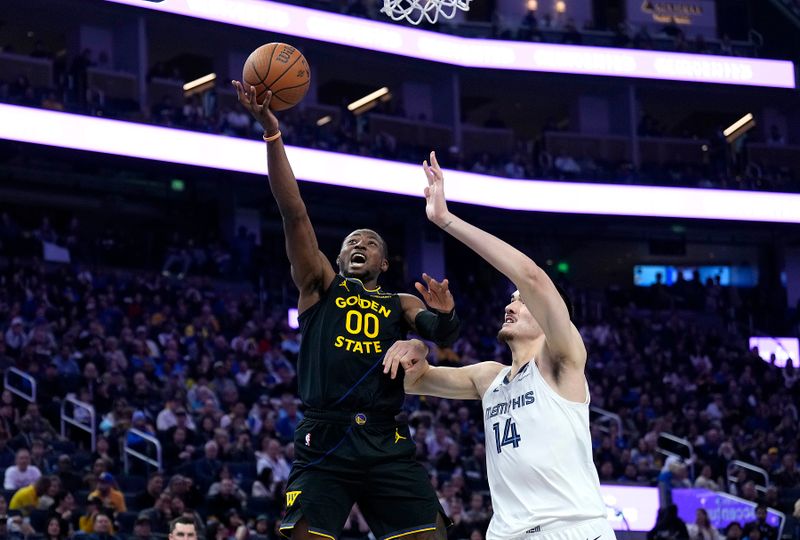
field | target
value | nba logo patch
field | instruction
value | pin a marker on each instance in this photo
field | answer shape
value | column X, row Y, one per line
column 308, row 439
column 361, row 419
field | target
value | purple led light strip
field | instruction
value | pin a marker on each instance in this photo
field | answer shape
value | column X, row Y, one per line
column 204, row 150
column 480, row 53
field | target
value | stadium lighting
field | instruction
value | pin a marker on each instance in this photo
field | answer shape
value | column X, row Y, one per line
column 94, row 134
column 359, row 105
column 202, row 81
column 532, row 5
column 388, row 38
column 561, row 6
column 324, row 120
column 740, row 127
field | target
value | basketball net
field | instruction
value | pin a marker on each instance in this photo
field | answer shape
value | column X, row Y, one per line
column 414, row 11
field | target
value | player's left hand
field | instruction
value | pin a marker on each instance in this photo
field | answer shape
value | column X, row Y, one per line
column 436, row 294
column 435, row 202
column 406, row 354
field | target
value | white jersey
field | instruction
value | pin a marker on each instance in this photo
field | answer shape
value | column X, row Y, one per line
column 539, row 457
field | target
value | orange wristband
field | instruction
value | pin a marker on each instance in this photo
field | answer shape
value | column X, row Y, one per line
column 271, row 137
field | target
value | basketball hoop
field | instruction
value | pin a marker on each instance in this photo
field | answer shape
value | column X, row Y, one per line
column 414, row 11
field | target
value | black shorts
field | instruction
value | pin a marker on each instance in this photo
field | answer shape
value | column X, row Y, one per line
column 343, row 458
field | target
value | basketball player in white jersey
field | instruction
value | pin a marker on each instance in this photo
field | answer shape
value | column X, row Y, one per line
column 543, row 482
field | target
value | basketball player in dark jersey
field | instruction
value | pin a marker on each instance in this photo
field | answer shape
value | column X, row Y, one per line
column 350, row 447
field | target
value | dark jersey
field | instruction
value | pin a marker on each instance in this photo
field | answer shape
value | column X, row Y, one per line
column 345, row 336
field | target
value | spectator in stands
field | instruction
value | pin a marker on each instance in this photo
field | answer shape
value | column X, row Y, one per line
column 788, row 476
column 18, row 527
column 477, row 515
column 273, row 459
column 26, row 499
column 263, row 486
column 56, row 529
column 22, row 473
column 733, row 531
column 91, row 509
column 102, row 528
column 475, row 468
column 15, row 337
column 167, row 418
column 566, row 165
column 766, row 531
column 260, row 530
column 109, row 495
column 669, row 526
column 64, row 507
column 178, row 451
column 748, row 491
column 706, row 480
column 227, row 499
column 207, row 469
column 184, row 487
column 160, row 514
column 70, row 481
column 65, row 362
column 7, row 456
column 288, row 418
column 141, row 528
column 148, row 497
column 242, row 451
column 702, row 528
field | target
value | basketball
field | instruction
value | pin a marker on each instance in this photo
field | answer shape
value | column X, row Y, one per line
column 281, row 68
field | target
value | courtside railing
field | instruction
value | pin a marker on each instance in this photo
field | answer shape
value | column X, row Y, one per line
column 80, row 415
column 671, row 445
column 603, row 418
column 15, row 381
column 757, row 474
column 129, row 452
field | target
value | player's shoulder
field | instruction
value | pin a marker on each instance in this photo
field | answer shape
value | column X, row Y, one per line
column 483, row 374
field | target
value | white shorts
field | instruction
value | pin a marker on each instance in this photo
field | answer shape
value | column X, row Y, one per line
column 593, row 529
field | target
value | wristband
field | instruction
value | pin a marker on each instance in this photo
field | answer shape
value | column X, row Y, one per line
column 271, row 137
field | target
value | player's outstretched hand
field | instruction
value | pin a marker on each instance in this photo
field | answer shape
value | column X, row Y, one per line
column 435, row 203
column 408, row 354
column 262, row 113
column 436, row 294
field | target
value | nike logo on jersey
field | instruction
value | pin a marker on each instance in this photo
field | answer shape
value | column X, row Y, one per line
column 596, row 537
column 398, row 437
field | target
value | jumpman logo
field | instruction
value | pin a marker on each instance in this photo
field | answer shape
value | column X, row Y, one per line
column 398, row 437
column 344, row 284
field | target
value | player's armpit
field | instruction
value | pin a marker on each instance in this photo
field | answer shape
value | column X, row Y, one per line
column 311, row 271
column 469, row 382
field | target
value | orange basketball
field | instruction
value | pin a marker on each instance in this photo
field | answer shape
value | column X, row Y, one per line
column 281, row 68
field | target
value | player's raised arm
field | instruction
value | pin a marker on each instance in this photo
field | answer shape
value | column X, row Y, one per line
column 469, row 382
column 311, row 271
column 440, row 324
column 538, row 292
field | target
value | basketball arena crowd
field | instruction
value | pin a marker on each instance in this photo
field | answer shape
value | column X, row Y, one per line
column 211, row 373
column 530, row 158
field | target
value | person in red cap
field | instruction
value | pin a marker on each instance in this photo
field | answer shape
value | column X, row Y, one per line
column 109, row 494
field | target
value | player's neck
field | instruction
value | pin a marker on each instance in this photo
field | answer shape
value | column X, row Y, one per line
column 524, row 351
column 369, row 283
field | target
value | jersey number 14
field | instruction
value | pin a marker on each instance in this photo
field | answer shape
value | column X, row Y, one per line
column 510, row 435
